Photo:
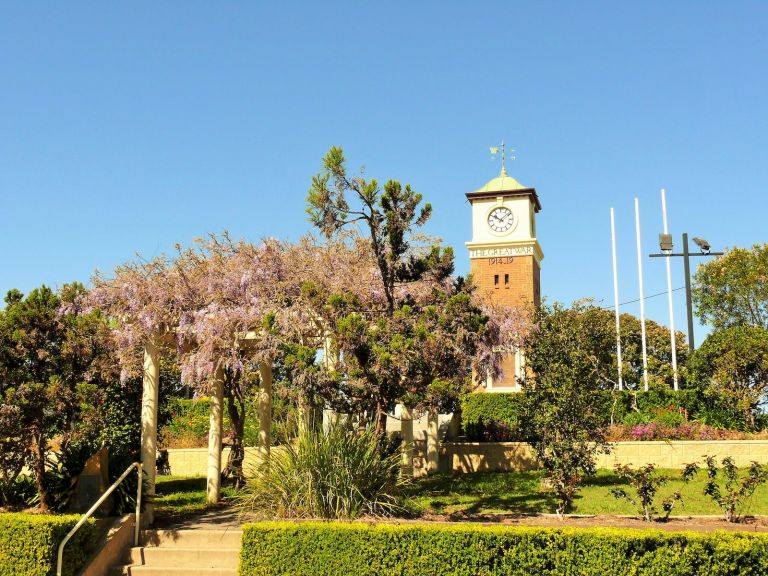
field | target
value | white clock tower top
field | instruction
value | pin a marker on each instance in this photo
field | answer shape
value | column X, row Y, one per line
column 504, row 219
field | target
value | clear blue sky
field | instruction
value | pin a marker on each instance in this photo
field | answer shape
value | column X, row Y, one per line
column 130, row 128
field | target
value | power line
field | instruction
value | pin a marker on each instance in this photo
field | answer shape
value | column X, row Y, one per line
column 646, row 298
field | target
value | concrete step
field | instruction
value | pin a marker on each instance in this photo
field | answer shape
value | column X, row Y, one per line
column 178, row 557
column 204, row 539
column 188, row 552
column 170, row 571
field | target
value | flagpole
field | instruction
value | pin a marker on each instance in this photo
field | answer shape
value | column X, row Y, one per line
column 642, row 295
column 672, row 338
column 616, row 300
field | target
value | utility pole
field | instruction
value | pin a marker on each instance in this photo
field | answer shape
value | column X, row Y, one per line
column 688, row 299
column 665, row 245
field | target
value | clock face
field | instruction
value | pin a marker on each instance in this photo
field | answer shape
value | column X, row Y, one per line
column 501, row 219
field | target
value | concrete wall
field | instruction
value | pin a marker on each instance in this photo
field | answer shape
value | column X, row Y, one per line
column 493, row 456
column 194, row 461
column 488, row 456
column 113, row 547
column 679, row 453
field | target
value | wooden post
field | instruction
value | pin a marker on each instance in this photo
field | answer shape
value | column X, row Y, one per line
column 265, row 412
column 433, row 442
column 214, row 436
column 406, row 431
column 149, row 399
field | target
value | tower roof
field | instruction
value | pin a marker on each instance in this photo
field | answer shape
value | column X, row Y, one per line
column 502, row 183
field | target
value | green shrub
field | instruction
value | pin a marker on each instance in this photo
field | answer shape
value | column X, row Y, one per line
column 500, row 416
column 494, row 416
column 646, row 481
column 29, row 544
column 188, row 422
column 18, row 492
column 671, row 408
column 337, row 473
column 329, row 549
column 732, row 491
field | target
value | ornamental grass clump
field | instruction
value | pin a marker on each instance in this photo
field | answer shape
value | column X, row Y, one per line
column 340, row 472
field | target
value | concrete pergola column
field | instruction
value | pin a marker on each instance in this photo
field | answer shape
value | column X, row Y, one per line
column 406, row 432
column 215, row 428
column 149, row 401
column 264, row 409
column 433, row 442
column 330, row 361
column 304, row 415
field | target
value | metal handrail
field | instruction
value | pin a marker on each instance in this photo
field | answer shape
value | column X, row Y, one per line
column 137, row 465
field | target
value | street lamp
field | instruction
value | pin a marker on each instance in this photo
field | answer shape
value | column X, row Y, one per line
column 665, row 245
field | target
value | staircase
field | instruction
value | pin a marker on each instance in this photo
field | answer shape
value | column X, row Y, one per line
column 184, row 552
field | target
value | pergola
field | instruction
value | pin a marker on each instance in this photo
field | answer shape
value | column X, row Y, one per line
column 149, row 409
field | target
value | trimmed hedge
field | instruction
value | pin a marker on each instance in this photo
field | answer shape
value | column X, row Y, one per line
column 494, row 416
column 330, row 549
column 29, row 544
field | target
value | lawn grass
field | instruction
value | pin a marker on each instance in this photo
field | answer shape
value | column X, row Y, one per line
column 181, row 497
column 521, row 493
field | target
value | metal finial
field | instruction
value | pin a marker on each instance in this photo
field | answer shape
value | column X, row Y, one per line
column 496, row 151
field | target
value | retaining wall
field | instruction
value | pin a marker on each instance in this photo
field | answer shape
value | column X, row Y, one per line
column 491, row 456
column 194, row 461
column 495, row 456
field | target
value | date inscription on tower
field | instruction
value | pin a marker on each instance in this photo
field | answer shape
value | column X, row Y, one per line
column 504, row 260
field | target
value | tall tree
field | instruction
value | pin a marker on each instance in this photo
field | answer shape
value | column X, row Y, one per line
column 391, row 217
column 49, row 355
column 421, row 343
column 658, row 349
column 569, row 360
column 733, row 363
column 732, row 290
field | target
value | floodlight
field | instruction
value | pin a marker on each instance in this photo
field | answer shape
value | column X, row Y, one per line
column 701, row 243
column 665, row 242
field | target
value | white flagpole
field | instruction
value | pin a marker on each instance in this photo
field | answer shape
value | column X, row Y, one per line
column 642, row 295
column 616, row 300
column 669, row 295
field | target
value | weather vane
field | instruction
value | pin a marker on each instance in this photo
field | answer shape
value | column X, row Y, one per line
column 496, row 151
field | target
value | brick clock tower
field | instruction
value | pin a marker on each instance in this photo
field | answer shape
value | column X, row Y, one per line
column 505, row 255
